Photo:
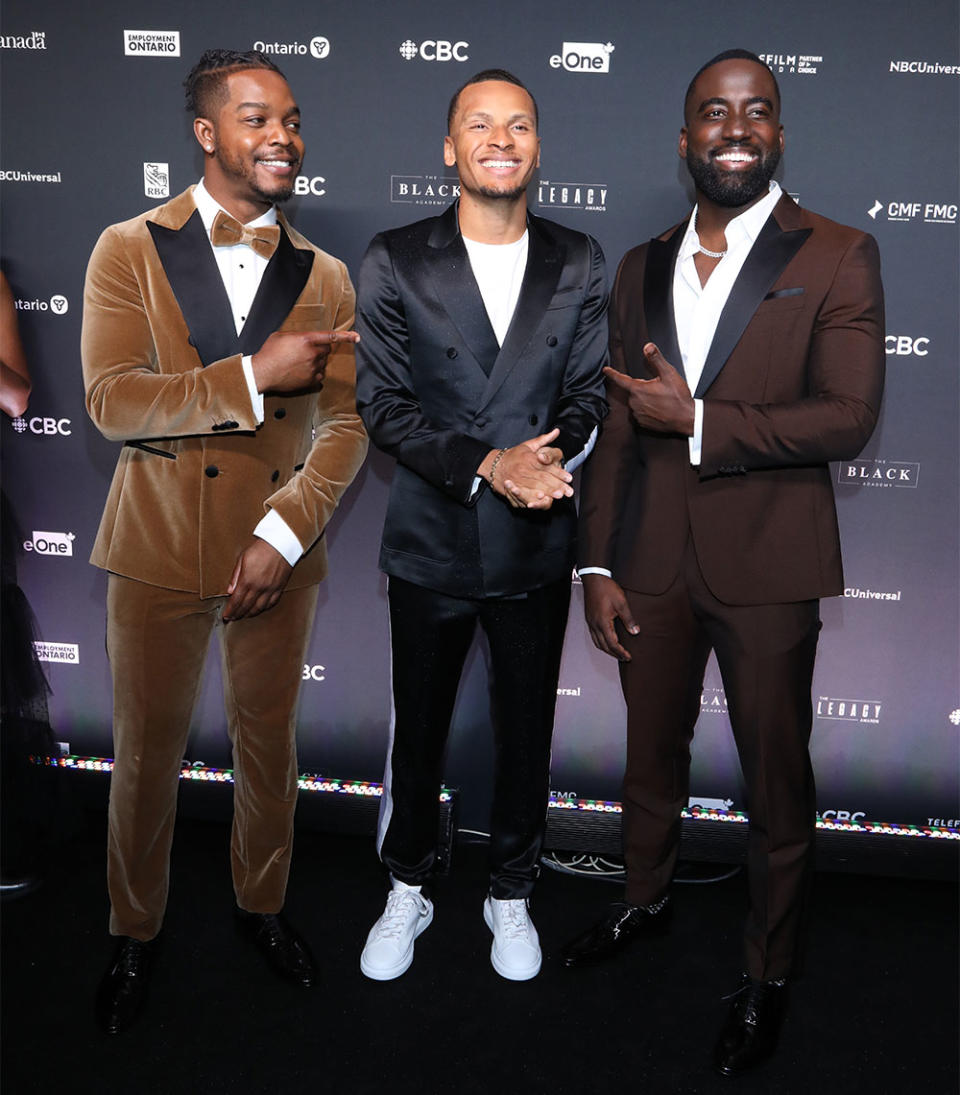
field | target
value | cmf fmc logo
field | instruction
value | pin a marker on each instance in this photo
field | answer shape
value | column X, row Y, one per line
column 584, row 57
column 434, row 49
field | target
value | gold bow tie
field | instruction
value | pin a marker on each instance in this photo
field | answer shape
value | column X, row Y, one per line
column 227, row 231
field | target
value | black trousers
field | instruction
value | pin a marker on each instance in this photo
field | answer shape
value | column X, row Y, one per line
column 431, row 634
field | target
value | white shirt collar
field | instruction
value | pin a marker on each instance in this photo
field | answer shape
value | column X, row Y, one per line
column 209, row 207
column 745, row 227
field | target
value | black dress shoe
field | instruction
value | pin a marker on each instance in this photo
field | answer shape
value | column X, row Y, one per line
column 610, row 936
column 750, row 1033
column 279, row 944
column 124, row 985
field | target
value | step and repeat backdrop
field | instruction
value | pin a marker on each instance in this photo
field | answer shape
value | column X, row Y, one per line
column 95, row 131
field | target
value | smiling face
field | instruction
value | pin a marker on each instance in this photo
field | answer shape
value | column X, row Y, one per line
column 493, row 141
column 733, row 139
column 253, row 149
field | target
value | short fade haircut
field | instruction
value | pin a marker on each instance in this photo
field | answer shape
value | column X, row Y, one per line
column 730, row 55
column 206, row 84
column 482, row 77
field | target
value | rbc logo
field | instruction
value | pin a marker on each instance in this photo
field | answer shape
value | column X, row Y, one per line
column 435, row 49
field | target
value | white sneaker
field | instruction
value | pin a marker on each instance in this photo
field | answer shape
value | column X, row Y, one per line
column 389, row 948
column 515, row 953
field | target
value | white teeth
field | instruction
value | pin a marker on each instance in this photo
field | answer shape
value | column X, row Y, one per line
column 500, row 163
column 736, row 157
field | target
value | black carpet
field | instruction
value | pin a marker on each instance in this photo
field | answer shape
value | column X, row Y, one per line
column 875, row 1012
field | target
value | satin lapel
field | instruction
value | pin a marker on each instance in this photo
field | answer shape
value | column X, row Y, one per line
column 187, row 260
column 658, row 296
column 544, row 264
column 282, row 283
column 448, row 264
column 768, row 257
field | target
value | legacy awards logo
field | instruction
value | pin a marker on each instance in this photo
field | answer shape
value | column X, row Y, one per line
column 830, row 707
column 50, row 543
column 69, row 653
column 58, row 304
column 36, row 39
column 434, row 49
column 925, row 68
column 591, row 197
column 907, row 346
column 151, row 43
column 798, row 64
column 585, row 57
column 713, row 701
column 907, row 212
column 318, row 47
column 156, row 180
column 424, row 189
column 879, row 473
column 44, row 427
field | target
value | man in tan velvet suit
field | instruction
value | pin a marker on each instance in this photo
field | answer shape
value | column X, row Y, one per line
column 217, row 346
column 707, row 520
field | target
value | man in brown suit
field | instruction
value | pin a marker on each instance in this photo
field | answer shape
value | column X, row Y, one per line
column 707, row 520
column 217, row 345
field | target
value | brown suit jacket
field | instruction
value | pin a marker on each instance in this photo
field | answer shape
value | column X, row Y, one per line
column 162, row 371
column 793, row 380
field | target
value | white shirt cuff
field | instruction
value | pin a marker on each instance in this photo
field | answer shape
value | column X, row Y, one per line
column 256, row 399
column 696, row 441
column 576, row 461
column 594, row 570
column 279, row 535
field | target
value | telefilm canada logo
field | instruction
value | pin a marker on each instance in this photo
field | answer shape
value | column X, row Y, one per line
column 908, row 212
column 590, row 197
column 589, row 58
column 36, row 39
column 156, row 180
column 58, row 544
column 879, row 473
column 67, row 653
column 58, row 304
column 318, row 48
column 797, row 64
column 42, row 426
column 151, row 43
column 424, row 189
column 434, row 49
column 713, row 701
column 845, row 710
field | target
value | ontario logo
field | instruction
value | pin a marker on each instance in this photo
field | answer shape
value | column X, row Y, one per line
column 67, row 653
column 151, row 43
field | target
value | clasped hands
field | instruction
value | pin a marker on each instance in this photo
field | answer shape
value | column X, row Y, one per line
column 529, row 475
column 663, row 403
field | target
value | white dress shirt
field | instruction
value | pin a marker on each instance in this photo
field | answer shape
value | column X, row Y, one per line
column 241, row 269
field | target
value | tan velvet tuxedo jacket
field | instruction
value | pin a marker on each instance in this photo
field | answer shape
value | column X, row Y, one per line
column 162, row 371
column 793, row 379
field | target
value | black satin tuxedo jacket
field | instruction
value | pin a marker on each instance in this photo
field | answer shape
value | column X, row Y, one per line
column 437, row 392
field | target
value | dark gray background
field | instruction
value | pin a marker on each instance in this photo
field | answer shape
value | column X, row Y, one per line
column 857, row 134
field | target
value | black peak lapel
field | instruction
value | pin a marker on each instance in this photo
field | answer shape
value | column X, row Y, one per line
column 194, row 277
column 658, row 296
column 769, row 256
column 545, row 259
column 282, row 283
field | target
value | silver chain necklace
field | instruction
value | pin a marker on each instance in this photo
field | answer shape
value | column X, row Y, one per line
column 706, row 251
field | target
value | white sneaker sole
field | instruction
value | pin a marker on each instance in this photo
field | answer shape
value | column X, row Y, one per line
column 510, row 973
column 388, row 973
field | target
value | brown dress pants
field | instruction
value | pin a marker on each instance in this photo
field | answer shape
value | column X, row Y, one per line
column 157, row 641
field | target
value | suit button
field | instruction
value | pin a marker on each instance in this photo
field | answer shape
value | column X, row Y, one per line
column 552, row 340
column 481, row 423
column 275, row 477
column 533, row 420
column 451, row 352
column 211, row 471
column 280, row 412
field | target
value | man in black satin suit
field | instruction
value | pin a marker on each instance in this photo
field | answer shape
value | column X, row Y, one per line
column 483, row 337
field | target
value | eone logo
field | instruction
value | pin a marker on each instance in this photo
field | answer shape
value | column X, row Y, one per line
column 905, row 346
column 47, row 426
column 435, row 49
column 50, row 543
column 314, row 673
column 315, row 186
column 584, row 57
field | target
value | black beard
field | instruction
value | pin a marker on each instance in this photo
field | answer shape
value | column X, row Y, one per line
column 502, row 195
column 732, row 191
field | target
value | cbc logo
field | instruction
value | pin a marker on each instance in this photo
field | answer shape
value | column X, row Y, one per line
column 315, row 186
column 314, row 673
column 435, row 49
column 842, row 815
column 905, row 346
column 44, row 426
